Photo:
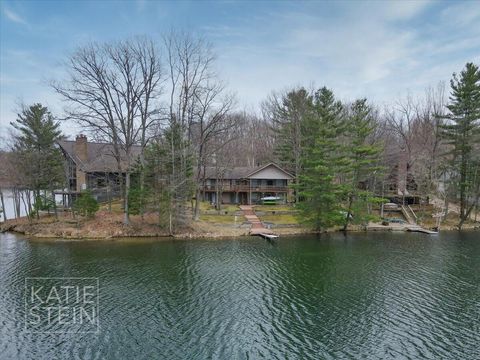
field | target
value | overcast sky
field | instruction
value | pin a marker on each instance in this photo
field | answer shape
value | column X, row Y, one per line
column 375, row 49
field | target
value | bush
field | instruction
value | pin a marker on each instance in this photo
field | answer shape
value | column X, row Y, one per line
column 137, row 200
column 86, row 205
column 41, row 203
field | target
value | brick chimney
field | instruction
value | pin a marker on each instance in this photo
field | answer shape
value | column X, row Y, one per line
column 80, row 148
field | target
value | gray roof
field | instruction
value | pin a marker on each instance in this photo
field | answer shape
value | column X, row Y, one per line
column 100, row 156
column 239, row 172
column 233, row 173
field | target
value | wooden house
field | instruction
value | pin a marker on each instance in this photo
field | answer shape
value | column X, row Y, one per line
column 94, row 165
column 247, row 185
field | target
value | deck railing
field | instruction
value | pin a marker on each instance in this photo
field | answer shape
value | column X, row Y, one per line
column 247, row 188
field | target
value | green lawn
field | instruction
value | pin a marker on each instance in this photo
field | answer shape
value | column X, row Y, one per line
column 282, row 219
column 274, row 208
column 205, row 205
column 222, row 219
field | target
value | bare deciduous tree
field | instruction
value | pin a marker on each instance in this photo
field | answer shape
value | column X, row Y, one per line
column 111, row 91
column 197, row 111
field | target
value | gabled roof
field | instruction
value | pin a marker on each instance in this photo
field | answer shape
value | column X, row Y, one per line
column 241, row 172
column 100, row 156
column 257, row 170
column 238, row 172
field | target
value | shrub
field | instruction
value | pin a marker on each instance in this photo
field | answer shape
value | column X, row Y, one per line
column 86, row 205
column 41, row 203
column 137, row 200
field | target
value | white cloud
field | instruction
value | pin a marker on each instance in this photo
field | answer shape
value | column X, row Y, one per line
column 14, row 17
column 402, row 10
column 461, row 14
column 351, row 53
column 380, row 50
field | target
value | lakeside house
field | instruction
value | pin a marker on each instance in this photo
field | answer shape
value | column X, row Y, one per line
column 94, row 165
column 247, row 185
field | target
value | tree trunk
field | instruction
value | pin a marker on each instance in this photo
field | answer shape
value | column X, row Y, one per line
column 54, row 205
column 126, row 220
column 199, row 180
column 445, row 204
column 29, row 201
column 16, row 206
column 142, row 184
column 196, row 216
column 108, row 191
column 37, row 196
column 347, row 219
column 27, row 210
column 3, row 206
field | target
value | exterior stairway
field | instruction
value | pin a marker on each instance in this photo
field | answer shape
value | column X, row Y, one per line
column 409, row 214
column 256, row 225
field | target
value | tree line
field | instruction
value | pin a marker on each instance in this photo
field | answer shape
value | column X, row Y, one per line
column 166, row 97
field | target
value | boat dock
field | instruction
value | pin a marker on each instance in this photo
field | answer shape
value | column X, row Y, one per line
column 421, row 230
column 400, row 227
column 257, row 227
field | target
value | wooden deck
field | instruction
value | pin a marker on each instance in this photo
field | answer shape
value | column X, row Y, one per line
column 400, row 227
column 421, row 230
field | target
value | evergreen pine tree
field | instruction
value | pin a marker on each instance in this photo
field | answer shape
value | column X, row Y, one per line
column 462, row 133
column 289, row 120
column 363, row 162
column 323, row 157
column 39, row 160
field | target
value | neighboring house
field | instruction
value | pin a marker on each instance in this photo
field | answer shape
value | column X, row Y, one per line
column 246, row 185
column 399, row 185
column 93, row 165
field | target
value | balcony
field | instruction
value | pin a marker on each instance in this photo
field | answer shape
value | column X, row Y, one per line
column 247, row 188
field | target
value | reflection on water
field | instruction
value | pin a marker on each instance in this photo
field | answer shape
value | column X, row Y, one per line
column 371, row 296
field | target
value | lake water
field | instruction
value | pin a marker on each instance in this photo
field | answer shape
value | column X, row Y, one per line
column 10, row 205
column 364, row 296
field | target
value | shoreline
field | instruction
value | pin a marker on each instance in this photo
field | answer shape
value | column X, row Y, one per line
column 109, row 227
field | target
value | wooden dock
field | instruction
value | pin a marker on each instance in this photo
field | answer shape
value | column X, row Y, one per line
column 421, row 230
column 400, row 227
column 257, row 227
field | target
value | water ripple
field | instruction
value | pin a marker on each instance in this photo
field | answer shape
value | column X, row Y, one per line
column 375, row 296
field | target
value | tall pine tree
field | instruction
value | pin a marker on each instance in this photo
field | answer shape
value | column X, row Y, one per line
column 288, row 116
column 363, row 155
column 39, row 160
column 319, row 189
column 462, row 133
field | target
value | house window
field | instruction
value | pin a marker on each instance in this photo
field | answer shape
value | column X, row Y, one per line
column 101, row 182
column 269, row 182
